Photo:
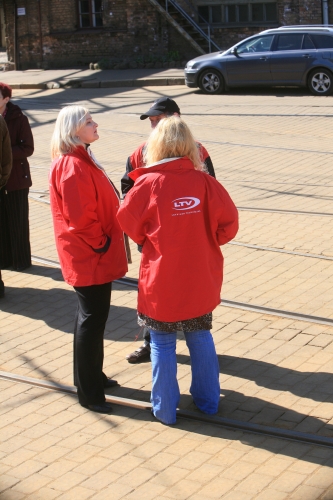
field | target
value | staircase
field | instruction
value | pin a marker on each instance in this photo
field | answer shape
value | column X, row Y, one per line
column 200, row 40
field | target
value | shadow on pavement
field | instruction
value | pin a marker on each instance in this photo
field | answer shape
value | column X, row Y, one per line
column 57, row 306
column 305, row 452
column 315, row 386
column 40, row 100
column 312, row 385
column 269, row 91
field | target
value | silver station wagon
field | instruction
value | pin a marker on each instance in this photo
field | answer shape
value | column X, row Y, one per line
column 300, row 56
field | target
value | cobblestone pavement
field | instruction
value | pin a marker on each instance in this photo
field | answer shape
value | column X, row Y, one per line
column 272, row 150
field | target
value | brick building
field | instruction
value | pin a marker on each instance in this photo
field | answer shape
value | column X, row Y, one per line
column 236, row 19
column 65, row 33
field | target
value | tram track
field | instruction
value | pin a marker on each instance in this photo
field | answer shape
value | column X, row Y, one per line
column 239, row 243
column 240, row 144
column 231, row 424
column 280, row 250
column 283, row 211
column 245, row 209
column 271, row 148
column 133, row 282
column 276, row 182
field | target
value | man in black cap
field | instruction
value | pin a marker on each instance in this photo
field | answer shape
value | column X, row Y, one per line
column 160, row 109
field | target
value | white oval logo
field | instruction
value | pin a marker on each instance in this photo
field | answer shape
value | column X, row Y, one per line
column 185, row 203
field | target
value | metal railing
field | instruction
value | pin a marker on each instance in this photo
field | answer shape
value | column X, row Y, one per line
column 206, row 36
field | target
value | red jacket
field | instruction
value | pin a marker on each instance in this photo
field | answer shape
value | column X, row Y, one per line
column 181, row 216
column 84, row 205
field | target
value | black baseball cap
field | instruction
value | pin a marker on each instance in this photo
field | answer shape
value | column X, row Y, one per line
column 164, row 105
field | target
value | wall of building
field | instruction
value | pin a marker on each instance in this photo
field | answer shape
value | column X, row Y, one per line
column 305, row 12
column 133, row 31
column 289, row 12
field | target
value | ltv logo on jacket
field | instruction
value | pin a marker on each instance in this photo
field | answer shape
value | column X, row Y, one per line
column 185, row 203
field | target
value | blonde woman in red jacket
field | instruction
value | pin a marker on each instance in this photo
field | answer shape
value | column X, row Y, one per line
column 181, row 216
column 90, row 244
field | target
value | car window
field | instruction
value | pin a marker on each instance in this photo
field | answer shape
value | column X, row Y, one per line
column 289, row 42
column 308, row 43
column 323, row 41
column 260, row 44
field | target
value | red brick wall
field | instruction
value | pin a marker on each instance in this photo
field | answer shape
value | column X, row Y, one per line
column 132, row 29
column 305, row 12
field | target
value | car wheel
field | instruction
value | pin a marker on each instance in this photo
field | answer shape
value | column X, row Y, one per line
column 211, row 82
column 320, row 82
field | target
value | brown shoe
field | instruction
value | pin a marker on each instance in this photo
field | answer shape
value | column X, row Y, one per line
column 141, row 354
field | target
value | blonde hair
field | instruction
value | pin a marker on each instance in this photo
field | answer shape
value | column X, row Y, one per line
column 64, row 138
column 172, row 138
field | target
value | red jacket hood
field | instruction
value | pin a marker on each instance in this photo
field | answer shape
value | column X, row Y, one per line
column 167, row 164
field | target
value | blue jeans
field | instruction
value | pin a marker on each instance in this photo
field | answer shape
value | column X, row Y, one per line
column 205, row 386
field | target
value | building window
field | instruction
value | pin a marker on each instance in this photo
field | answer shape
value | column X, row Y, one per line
column 210, row 13
column 90, row 13
column 238, row 13
column 216, row 14
column 264, row 12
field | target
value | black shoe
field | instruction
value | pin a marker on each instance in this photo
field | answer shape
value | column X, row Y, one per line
column 109, row 382
column 19, row 269
column 141, row 354
column 2, row 289
column 101, row 408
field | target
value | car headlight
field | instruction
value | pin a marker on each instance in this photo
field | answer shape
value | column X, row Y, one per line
column 191, row 64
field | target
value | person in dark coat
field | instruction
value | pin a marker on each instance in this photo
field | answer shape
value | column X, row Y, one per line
column 14, row 208
column 5, row 169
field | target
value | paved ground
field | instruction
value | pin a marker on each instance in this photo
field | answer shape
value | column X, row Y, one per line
column 39, row 78
column 272, row 150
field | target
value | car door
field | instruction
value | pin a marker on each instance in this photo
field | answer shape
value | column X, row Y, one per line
column 292, row 55
column 249, row 65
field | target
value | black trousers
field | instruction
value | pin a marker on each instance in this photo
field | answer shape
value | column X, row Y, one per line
column 91, row 316
column 146, row 333
column 14, row 229
column 146, row 337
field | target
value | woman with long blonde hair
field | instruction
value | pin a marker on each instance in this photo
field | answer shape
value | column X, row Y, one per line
column 181, row 216
column 173, row 139
column 90, row 244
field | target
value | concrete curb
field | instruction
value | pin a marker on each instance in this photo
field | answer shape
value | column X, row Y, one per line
column 88, row 84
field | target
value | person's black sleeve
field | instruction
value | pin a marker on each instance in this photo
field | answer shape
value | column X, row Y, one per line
column 209, row 165
column 126, row 182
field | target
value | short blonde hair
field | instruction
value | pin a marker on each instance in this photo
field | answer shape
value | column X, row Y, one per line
column 64, row 138
column 172, row 138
